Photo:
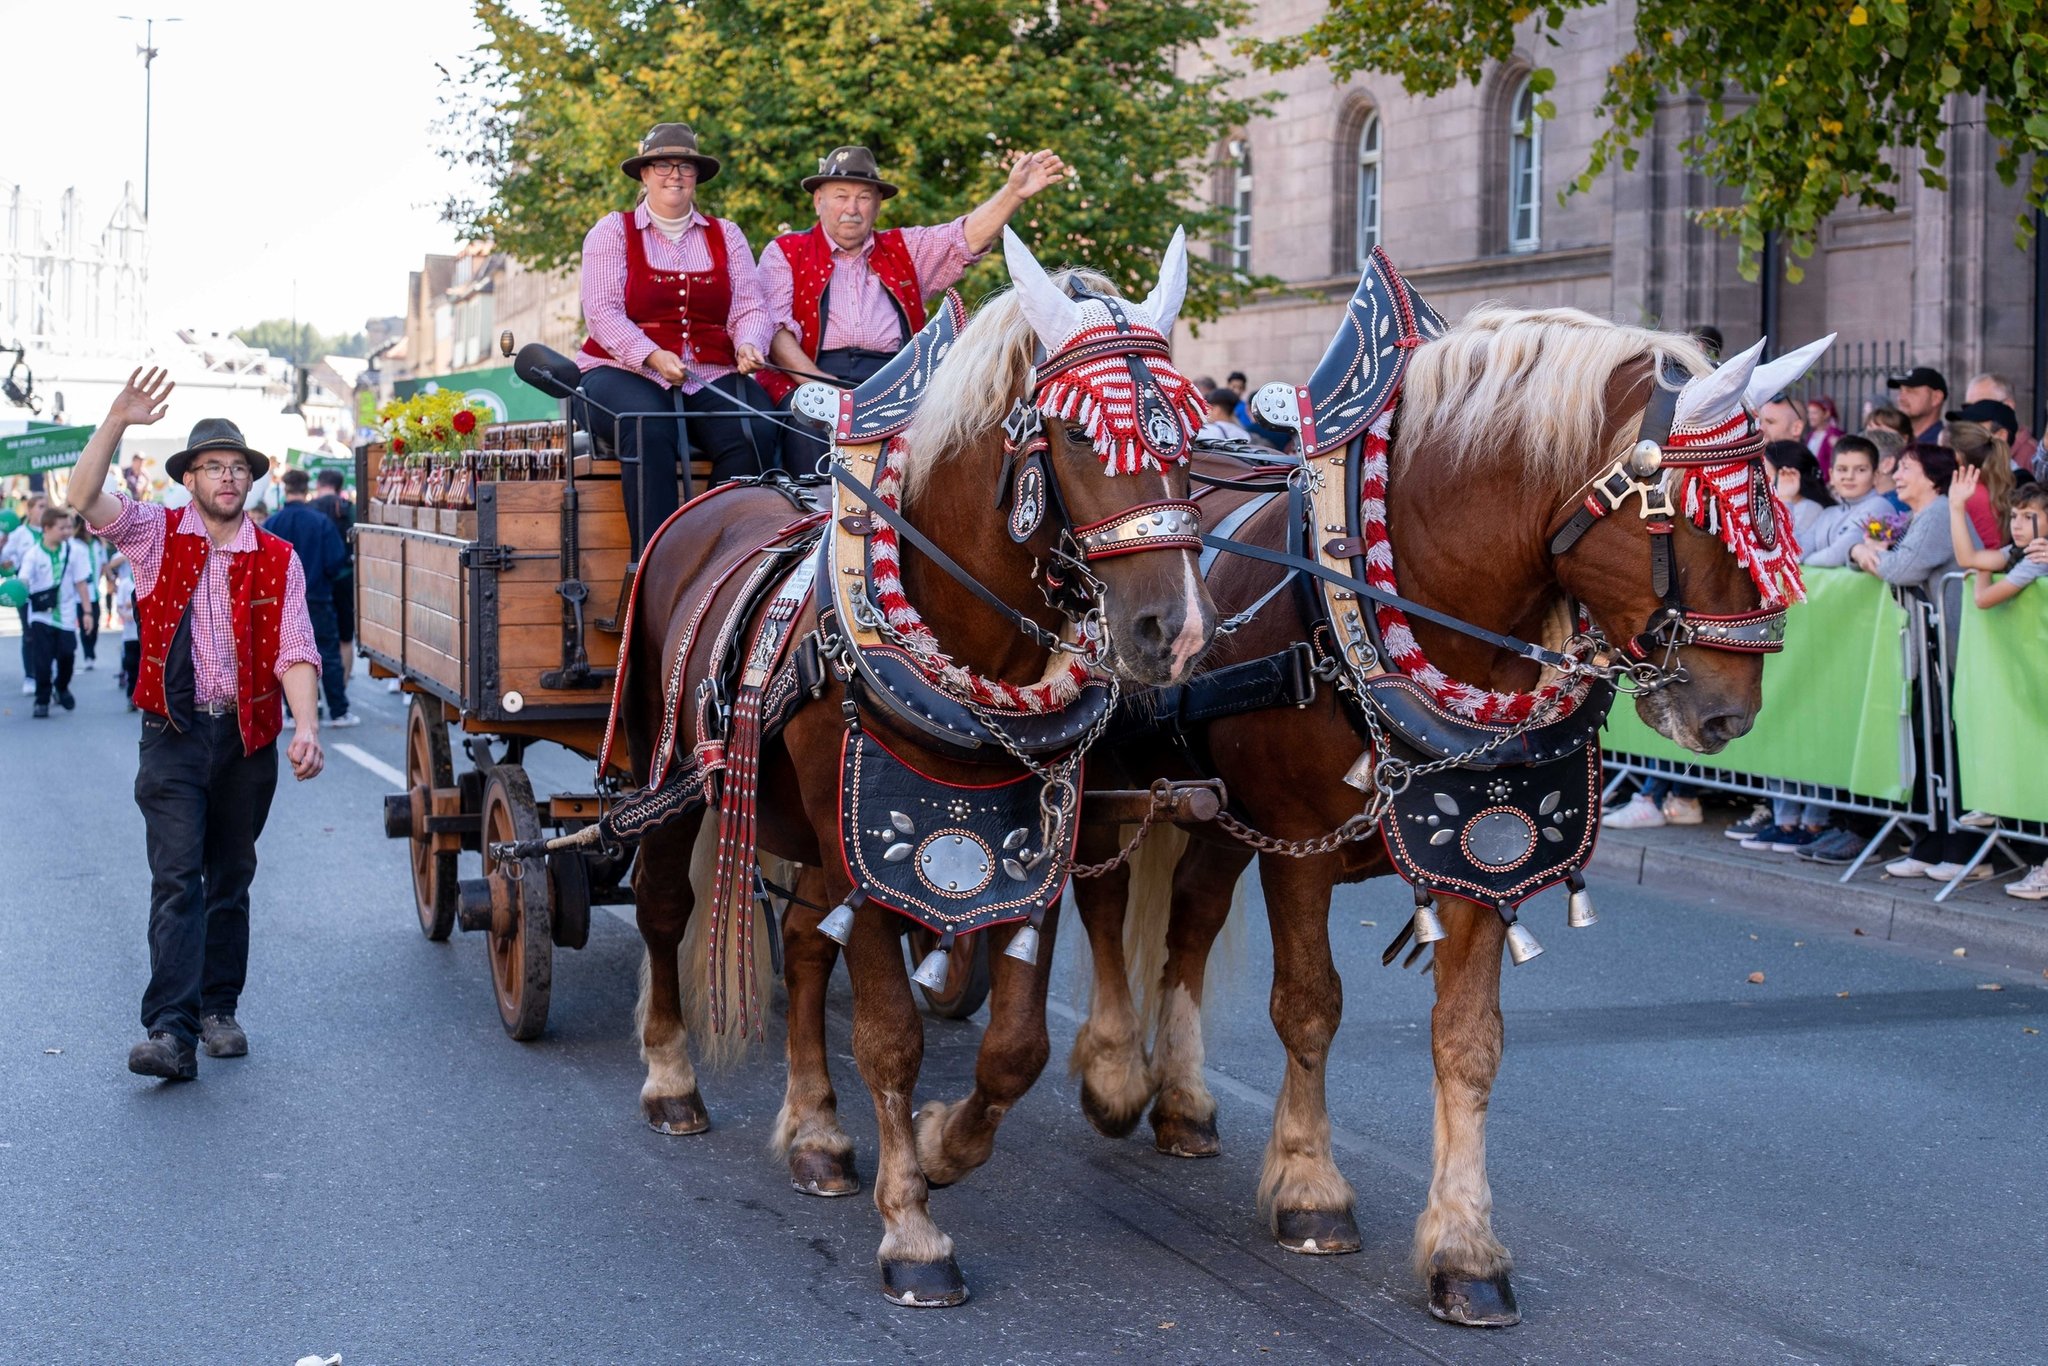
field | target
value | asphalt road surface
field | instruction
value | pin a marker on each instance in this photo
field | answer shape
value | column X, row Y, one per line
column 1845, row 1163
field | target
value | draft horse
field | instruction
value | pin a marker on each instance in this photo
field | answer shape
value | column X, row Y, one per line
column 1004, row 588
column 1500, row 482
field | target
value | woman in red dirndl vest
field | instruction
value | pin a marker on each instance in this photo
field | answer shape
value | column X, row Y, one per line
column 676, row 324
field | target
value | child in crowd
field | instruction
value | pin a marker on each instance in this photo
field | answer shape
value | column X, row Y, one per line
column 1835, row 530
column 1982, row 451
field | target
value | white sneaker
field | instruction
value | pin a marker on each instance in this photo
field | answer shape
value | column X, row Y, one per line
column 87, row 666
column 1949, row 872
column 344, row 722
column 28, row 687
column 1682, row 811
column 1640, row 814
column 1977, row 818
column 1908, row 867
column 2032, row 887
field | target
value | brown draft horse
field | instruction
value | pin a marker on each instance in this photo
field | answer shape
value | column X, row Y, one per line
column 1504, row 422
column 1158, row 621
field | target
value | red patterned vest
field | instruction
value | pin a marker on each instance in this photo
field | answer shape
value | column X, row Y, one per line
column 256, row 596
column 681, row 311
column 810, row 270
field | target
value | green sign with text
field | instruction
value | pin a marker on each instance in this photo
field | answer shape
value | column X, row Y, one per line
column 50, row 448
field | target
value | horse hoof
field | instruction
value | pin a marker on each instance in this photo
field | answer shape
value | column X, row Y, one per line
column 923, row 1285
column 1488, row 1303
column 1106, row 1122
column 815, row 1171
column 1316, row 1232
column 1181, row 1137
column 676, row 1116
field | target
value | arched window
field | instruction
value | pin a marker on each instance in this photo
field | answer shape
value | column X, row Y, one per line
column 1368, row 234
column 1525, row 169
column 1239, row 151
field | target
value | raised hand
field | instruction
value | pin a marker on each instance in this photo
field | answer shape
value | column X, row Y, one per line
column 1037, row 171
column 144, row 399
column 1963, row 484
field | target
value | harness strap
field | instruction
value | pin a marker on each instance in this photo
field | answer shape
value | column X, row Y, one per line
column 1521, row 648
column 1037, row 634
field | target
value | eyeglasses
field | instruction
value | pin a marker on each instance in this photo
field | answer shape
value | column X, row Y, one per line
column 674, row 170
column 221, row 473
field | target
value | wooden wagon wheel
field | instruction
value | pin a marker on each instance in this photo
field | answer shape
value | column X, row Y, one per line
column 966, row 974
column 429, row 764
column 521, row 945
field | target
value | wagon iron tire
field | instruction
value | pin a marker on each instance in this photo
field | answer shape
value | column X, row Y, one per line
column 967, row 979
column 429, row 763
column 520, row 942
column 569, row 882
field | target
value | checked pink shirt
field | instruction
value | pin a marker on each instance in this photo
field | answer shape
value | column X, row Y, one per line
column 139, row 532
column 604, row 293
column 858, row 310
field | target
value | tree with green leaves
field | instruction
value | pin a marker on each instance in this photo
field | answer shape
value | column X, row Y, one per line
column 300, row 341
column 1807, row 102
column 946, row 92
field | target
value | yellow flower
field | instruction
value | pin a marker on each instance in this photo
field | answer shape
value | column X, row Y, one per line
column 1858, row 16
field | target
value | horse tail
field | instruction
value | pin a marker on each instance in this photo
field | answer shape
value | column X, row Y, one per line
column 1148, row 911
column 715, row 1049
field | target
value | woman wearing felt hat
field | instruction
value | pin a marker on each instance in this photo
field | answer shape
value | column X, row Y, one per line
column 676, row 322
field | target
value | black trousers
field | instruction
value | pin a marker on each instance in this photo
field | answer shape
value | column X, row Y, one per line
column 89, row 630
column 203, row 804
column 651, row 448
column 801, row 449
column 51, row 654
column 327, row 636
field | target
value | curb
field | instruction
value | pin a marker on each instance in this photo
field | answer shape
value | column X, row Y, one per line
column 1876, row 909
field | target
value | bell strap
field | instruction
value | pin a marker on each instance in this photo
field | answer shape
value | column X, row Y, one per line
column 1037, row 634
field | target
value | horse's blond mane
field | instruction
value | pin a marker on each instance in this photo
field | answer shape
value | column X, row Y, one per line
column 971, row 391
column 1527, row 382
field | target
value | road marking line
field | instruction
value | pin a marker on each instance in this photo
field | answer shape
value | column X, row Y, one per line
column 371, row 762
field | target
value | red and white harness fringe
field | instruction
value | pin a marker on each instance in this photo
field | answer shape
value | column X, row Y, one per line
column 1100, row 396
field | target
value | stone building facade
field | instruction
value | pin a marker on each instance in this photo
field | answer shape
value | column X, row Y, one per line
column 1462, row 190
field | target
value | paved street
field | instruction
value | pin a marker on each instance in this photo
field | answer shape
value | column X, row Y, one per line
column 1845, row 1163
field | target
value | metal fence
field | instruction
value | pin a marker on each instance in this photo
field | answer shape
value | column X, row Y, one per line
column 1853, row 374
column 1937, row 791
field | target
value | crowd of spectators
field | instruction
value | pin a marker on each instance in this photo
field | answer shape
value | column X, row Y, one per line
column 1922, row 491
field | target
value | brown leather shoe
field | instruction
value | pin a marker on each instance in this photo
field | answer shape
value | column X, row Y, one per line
column 222, row 1037
column 164, row 1055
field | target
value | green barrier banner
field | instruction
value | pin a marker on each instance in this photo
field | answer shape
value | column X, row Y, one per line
column 2000, row 701
column 1836, row 708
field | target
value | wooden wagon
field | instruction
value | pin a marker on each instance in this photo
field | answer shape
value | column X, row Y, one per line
column 502, row 620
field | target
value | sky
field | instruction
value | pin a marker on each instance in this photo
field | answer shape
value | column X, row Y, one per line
column 293, row 152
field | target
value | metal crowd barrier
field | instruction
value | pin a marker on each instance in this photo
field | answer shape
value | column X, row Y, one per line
column 1926, row 644
column 2003, row 829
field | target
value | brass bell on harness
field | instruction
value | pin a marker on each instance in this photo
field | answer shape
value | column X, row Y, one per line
column 1359, row 775
column 1024, row 946
column 1428, row 929
column 1578, row 907
column 932, row 972
column 1522, row 945
column 838, row 926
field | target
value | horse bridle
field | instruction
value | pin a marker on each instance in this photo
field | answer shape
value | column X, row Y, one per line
column 1644, row 474
column 1030, row 492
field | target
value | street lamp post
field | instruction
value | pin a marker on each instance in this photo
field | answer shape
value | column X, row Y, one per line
column 146, row 50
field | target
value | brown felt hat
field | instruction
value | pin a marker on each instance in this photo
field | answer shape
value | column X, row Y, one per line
column 670, row 140
column 215, row 434
column 856, row 164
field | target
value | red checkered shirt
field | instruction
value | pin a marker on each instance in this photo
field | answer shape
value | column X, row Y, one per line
column 139, row 532
column 604, row 293
column 858, row 310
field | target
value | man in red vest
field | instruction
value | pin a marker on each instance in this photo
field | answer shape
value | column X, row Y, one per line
column 226, row 641
column 846, row 297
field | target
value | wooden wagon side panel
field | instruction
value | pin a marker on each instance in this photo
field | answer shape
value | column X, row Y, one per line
column 520, row 622
column 412, row 606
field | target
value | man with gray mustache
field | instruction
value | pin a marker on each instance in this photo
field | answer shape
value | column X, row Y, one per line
column 847, row 297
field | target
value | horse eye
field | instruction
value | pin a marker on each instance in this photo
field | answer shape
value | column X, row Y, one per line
column 1079, row 436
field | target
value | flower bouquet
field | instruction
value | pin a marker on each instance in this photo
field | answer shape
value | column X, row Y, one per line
column 1887, row 529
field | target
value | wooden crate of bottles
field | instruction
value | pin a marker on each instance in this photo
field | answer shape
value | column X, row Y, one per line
column 438, row 493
